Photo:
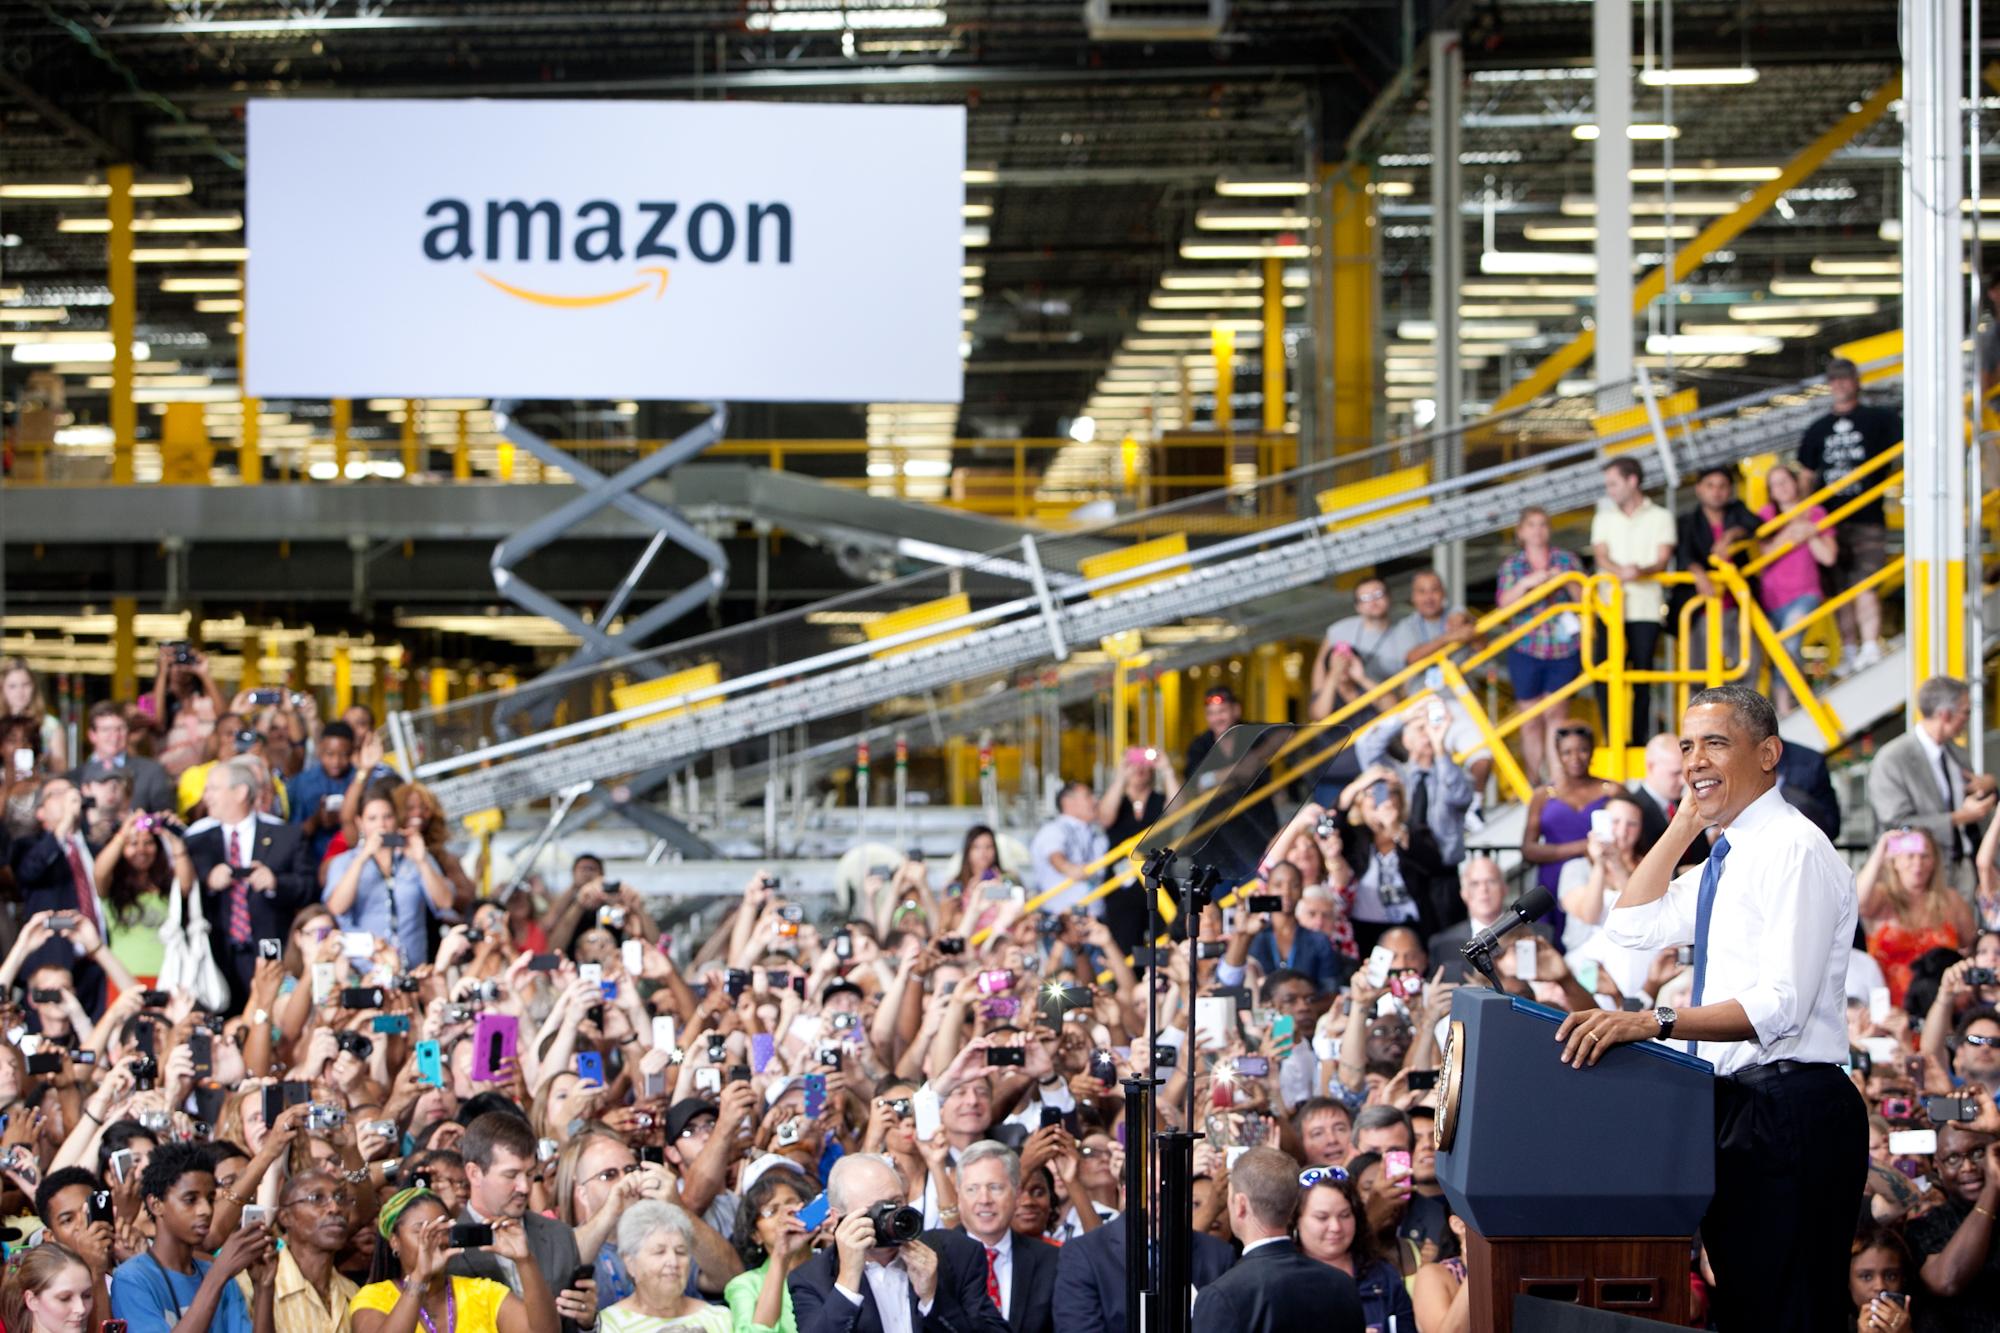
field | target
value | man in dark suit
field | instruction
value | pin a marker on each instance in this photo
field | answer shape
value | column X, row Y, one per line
column 934, row 1284
column 1273, row 1288
column 1807, row 786
column 1090, row 1276
column 1658, row 794
column 1483, row 890
column 152, row 789
column 1019, row 1271
column 499, row 1152
column 53, row 872
column 252, row 871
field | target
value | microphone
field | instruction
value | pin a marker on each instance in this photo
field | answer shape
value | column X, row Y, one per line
column 1533, row 906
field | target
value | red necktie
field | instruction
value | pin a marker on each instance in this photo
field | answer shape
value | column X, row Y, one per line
column 239, row 895
column 86, row 901
column 1672, row 806
column 992, row 1276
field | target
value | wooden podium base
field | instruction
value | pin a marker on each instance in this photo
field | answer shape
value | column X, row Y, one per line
column 1642, row 1276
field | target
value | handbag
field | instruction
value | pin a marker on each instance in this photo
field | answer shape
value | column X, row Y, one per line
column 188, row 963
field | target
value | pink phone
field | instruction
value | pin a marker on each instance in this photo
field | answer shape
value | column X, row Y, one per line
column 493, row 1041
column 1907, row 844
column 1396, row 1164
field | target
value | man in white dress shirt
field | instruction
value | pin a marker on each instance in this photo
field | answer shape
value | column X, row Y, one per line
column 1770, row 914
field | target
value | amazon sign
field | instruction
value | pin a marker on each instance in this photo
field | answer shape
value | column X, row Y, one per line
column 706, row 250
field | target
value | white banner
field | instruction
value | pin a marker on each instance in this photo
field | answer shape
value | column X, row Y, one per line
column 696, row 250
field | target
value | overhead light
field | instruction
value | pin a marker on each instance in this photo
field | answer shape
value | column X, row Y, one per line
column 44, row 352
column 1170, row 301
column 1762, row 310
column 1835, row 287
column 85, row 435
column 219, row 305
column 155, row 382
column 881, row 14
column 1225, row 282
column 1246, row 338
column 93, row 187
column 192, row 254
column 1225, row 250
column 979, row 176
column 1857, row 268
column 1536, row 261
column 927, row 467
column 1988, row 229
column 1262, row 187
column 972, row 272
column 1711, row 173
column 1635, row 130
column 977, row 210
column 1149, row 324
column 1511, row 309
column 1690, row 344
column 1721, row 76
column 33, row 314
column 1394, row 189
column 1474, row 287
column 183, row 223
column 1644, row 231
column 974, row 237
column 1259, row 219
column 1583, row 206
column 1422, row 330
column 1772, row 330
column 971, row 291
column 201, row 284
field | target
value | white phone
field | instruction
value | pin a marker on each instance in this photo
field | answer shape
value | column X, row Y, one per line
column 1913, row 1142
column 591, row 972
column 633, row 955
column 1881, row 1050
column 1524, row 959
column 323, row 982
column 1214, row 1021
column 1380, row 960
column 663, row 1032
column 1600, row 826
column 24, row 761
column 928, row 1110
column 1585, row 970
column 1879, row 1004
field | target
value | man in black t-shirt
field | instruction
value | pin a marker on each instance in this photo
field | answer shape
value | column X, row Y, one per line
column 1953, row 1244
column 1833, row 447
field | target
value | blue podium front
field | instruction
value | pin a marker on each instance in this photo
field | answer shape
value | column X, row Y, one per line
column 1529, row 1146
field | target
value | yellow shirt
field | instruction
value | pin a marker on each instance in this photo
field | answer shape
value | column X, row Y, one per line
column 296, row 1306
column 477, row 1300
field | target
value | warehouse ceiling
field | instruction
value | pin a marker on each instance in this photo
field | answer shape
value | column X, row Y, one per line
column 1093, row 152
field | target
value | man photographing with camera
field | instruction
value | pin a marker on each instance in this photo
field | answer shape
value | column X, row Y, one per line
column 879, row 1273
column 1770, row 914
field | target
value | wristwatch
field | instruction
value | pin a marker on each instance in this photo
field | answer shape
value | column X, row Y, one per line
column 1666, row 1018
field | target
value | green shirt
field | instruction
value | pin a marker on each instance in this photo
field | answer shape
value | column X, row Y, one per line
column 138, row 945
column 741, row 1295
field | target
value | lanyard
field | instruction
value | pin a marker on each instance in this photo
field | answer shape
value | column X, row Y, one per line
column 450, row 1311
column 166, row 1278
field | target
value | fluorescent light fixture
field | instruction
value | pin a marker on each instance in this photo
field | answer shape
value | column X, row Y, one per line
column 1226, row 250
column 1148, row 324
column 1277, row 186
column 881, row 14
column 1711, row 173
column 1171, row 301
column 1422, row 330
column 1583, row 206
column 1835, row 287
column 85, row 435
column 219, row 305
column 1770, row 330
column 979, row 176
column 1688, row 344
column 192, row 254
column 1635, row 130
column 1542, row 233
column 183, row 223
column 33, row 314
column 1722, row 76
column 1394, row 189
column 1246, row 338
column 974, row 237
column 927, row 467
column 1258, row 219
column 1475, row 287
column 1858, row 268
column 977, row 210
column 1226, row 282
column 158, row 382
column 1988, row 229
column 972, row 272
column 93, row 187
column 201, row 284
column 1518, row 309
column 45, row 352
column 1762, row 310
column 1522, row 262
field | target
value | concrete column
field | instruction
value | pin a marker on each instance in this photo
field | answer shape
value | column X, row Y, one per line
column 1611, row 183
column 1934, row 460
column 1447, row 271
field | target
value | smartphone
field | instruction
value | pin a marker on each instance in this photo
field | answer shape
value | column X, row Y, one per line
column 493, row 1043
column 1908, row 844
column 1102, row 1067
column 1214, row 1021
column 1948, row 1110
column 254, row 1215
column 632, row 954
column 1266, row 902
column 708, row 1080
column 47, row 1062
column 470, row 1236
column 324, row 981
column 396, row 1023
column 357, row 944
column 995, row 981
column 1585, row 971
column 278, row 1096
column 111, row 1326
column 590, row 1067
column 148, row 999
column 270, row 948
column 201, row 1045
column 1600, row 825
column 545, row 962
column 814, row 1213
column 361, row 997
column 1207, row 949
column 1981, row 976
column 1252, row 1066
column 927, row 1109
column 430, row 1063
column 1879, row 1004
column 663, row 1033
column 1913, row 1142
column 1283, row 1033
column 24, row 761
column 1005, row 1056
column 815, row 1086
column 1524, row 959
column 1422, row 1080
column 734, row 982
column 1684, row 955
column 591, row 972
column 762, row 1049
column 121, row 1165
column 1380, row 960
column 1396, row 1164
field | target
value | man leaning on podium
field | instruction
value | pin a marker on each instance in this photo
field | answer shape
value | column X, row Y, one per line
column 1770, row 913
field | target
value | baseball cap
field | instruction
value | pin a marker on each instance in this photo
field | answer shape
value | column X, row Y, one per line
column 1219, row 694
column 1840, row 368
column 684, row 1111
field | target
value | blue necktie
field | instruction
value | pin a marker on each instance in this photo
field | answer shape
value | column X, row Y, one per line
column 1704, row 908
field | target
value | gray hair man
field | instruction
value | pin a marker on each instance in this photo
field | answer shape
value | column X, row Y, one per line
column 1921, row 780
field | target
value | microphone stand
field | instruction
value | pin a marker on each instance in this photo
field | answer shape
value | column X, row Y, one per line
column 1481, row 956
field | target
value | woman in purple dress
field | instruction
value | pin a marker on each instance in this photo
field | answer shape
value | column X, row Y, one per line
column 1559, row 816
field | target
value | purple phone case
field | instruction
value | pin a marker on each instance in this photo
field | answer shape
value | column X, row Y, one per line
column 493, row 1039
column 815, row 1098
column 762, row 1048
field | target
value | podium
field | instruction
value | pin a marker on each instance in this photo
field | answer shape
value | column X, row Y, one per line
column 1577, row 1185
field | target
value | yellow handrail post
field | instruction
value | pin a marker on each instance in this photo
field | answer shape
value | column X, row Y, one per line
column 124, row 285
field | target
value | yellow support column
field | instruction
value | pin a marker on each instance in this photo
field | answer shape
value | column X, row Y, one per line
column 411, row 465
column 253, row 662
column 343, row 422
column 1352, row 207
column 1274, row 345
column 1170, row 707
column 124, row 648
column 249, row 440
column 124, row 317
column 461, row 450
column 1222, row 346
column 343, row 678
column 440, row 686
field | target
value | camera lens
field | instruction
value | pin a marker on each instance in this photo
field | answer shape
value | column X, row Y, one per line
column 895, row 1223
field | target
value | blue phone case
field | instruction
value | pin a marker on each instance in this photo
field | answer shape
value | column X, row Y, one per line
column 762, row 1048
column 815, row 1095
column 590, row 1066
column 813, row 1214
column 430, row 1063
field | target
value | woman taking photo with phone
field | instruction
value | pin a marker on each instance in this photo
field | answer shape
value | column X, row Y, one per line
column 21, row 696
column 1907, row 908
column 408, row 1289
column 389, row 885
column 773, row 1242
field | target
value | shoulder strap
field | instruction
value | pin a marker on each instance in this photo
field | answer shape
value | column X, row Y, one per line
column 167, row 1278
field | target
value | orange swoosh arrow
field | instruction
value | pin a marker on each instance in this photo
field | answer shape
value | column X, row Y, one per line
column 562, row 302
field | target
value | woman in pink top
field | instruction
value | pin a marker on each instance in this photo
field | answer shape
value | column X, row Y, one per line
column 1789, row 588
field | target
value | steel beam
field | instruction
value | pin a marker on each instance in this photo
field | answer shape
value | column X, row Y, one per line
column 124, row 320
column 1611, row 182
column 1447, row 271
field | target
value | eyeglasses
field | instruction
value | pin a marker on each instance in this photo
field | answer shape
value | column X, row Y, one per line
column 771, row 1210
column 1974, row 1039
column 1313, row 1175
column 1952, row 1160
column 1584, row 732
column 341, row 1199
column 611, row 1174
column 697, row 1129
column 1371, row 597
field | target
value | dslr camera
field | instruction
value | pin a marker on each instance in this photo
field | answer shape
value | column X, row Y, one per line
column 895, row 1223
